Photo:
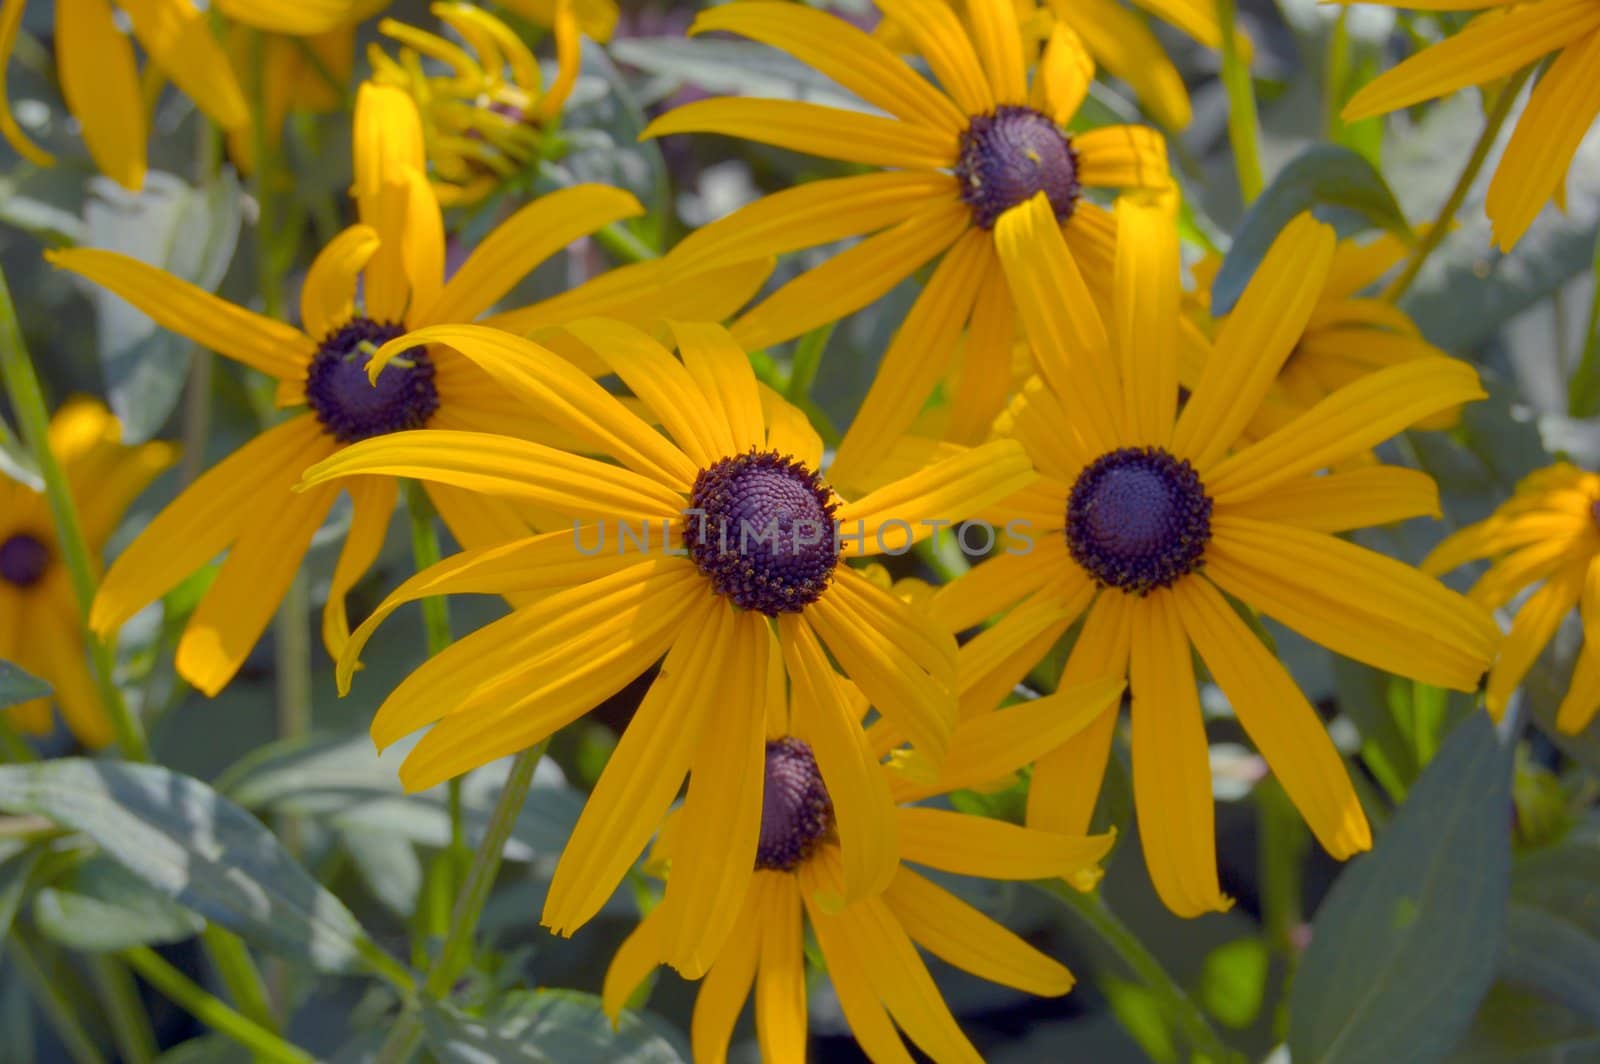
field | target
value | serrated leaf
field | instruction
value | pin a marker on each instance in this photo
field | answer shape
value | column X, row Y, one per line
column 550, row 1027
column 100, row 907
column 1405, row 944
column 195, row 847
column 1323, row 175
column 17, row 687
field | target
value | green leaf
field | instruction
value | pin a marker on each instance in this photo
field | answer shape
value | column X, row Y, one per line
column 198, row 849
column 101, row 907
column 1555, row 956
column 1322, row 175
column 548, row 1026
column 1405, row 945
column 14, row 876
column 722, row 67
column 1515, row 1026
column 17, row 687
column 1233, row 981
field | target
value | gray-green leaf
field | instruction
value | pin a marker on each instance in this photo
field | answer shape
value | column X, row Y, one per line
column 17, row 687
column 549, row 1027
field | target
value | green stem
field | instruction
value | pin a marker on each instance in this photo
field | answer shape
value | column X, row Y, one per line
column 624, row 244
column 1458, row 195
column 129, row 1025
column 456, row 951
column 1243, row 125
column 210, row 1010
column 79, row 1045
column 22, row 384
column 237, row 970
column 807, row 359
column 1583, row 393
column 13, row 748
column 1334, row 75
column 1179, row 1007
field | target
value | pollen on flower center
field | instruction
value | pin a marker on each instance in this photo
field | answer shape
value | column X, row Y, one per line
column 1011, row 155
column 761, row 530
column 353, row 408
column 796, row 812
column 23, row 560
column 1138, row 519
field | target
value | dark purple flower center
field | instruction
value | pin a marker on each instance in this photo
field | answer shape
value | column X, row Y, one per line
column 1138, row 519
column 761, row 530
column 353, row 408
column 23, row 560
column 796, row 812
column 1010, row 156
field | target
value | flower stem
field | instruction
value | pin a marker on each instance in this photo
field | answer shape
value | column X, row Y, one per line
column 237, row 970
column 1480, row 153
column 1243, row 125
column 68, row 1027
column 1583, row 390
column 129, row 1025
column 455, row 952
column 1092, row 912
column 621, row 242
column 22, row 385
column 210, row 1010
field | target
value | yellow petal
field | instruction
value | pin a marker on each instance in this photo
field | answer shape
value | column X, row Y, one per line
column 520, row 243
column 105, row 476
column 1062, row 79
column 722, row 374
column 781, row 974
column 1535, row 623
column 1278, row 719
column 999, row 45
column 55, row 634
column 1122, row 43
column 1255, row 340
column 994, row 849
column 327, row 299
column 1146, row 314
column 1340, row 502
column 789, row 431
column 938, row 36
column 984, row 380
column 1582, row 700
column 842, row 52
column 1172, row 763
column 387, row 144
column 631, row 965
column 10, row 19
column 177, row 36
column 955, row 932
column 1122, row 157
column 722, row 994
column 993, row 662
column 1561, row 110
column 828, row 132
column 302, row 18
column 372, row 499
column 945, row 492
column 101, row 85
column 259, row 342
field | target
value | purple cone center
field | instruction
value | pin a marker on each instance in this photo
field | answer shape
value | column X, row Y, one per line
column 761, row 530
column 1010, row 156
column 24, row 559
column 350, row 406
column 1138, row 519
column 796, row 812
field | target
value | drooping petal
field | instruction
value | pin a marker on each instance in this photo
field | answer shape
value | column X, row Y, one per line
column 781, row 973
column 327, row 298
column 1536, row 621
column 178, row 38
column 1278, row 719
column 637, row 957
column 10, row 20
column 373, row 500
column 1582, row 700
column 726, row 986
column 828, row 132
column 242, row 335
column 101, row 85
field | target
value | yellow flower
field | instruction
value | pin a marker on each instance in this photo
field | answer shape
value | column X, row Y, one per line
column 481, row 128
column 1503, row 40
column 1148, row 519
column 40, row 627
column 299, row 74
column 1347, row 337
column 697, row 545
column 870, row 946
column 397, row 254
column 100, row 77
column 947, row 166
column 1546, row 535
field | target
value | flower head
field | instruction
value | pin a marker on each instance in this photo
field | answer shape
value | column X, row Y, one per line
column 946, row 166
column 40, row 627
column 1545, row 537
column 1148, row 519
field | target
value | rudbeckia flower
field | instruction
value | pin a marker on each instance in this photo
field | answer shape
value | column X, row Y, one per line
column 1149, row 519
column 1547, row 535
column 100, row 76
column 696, row 544
column 870, row 945
column 396, row 257
column 1502, row 41
column 481, row 128
column 41, row 629
column 1347, row 337
column 947, row 166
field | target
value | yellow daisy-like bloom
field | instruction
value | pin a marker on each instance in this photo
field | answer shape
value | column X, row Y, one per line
column 950, row 164
column 1545, row 534
column 1148, row 518
column 870, row 946
column 1502, row 41
column 481, row 126
column 1347, row 337
column 40, row 627
column 697, row 544
column 396, row 254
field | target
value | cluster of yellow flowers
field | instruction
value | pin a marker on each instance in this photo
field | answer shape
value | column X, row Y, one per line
column 610, row 464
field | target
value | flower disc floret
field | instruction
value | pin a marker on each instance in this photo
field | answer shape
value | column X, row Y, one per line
column 1010, row 156
column 23, row 560
column 761, row 530
column 353, row 408
column 796, row 812
column 1138, row 519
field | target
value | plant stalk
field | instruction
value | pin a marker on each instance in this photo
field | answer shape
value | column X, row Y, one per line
column 210, row 1010
column 1243, row 125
